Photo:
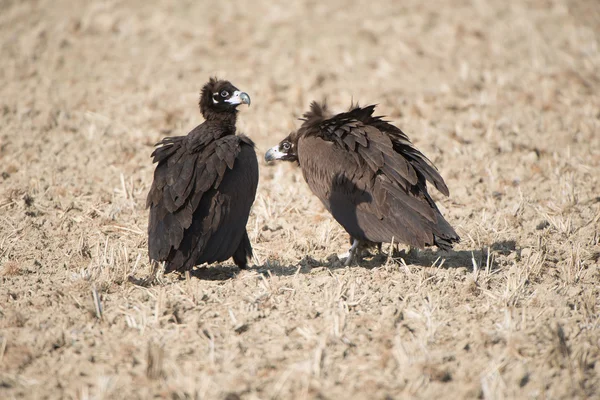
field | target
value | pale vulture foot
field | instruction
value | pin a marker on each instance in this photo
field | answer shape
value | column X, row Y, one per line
column 352, row 253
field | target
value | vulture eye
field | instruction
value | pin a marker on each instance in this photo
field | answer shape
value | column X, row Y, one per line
column 224, row 93
column 285, row 145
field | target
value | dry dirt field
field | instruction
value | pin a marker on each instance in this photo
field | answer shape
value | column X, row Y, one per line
column 503, row 96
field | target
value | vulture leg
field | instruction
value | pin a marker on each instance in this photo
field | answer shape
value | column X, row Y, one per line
column 153, row 278
column 352, row 252
column 243, row 252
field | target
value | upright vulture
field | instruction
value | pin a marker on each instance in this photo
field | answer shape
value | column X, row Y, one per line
column 204, row 185
column 369, row 176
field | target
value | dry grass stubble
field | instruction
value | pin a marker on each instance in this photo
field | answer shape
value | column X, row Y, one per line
column 503, row 97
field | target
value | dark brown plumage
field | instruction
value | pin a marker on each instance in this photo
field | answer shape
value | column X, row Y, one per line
column 204, row 185
column 369, row 176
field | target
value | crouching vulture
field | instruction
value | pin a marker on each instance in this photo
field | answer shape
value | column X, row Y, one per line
column 204, row 185
column 370, row 177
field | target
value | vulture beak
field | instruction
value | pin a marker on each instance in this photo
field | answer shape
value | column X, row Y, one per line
column 274, row 154
column 239, row 98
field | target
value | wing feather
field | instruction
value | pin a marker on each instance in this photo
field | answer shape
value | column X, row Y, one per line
column 370, row 177
column 184, row 174
column 419, row 161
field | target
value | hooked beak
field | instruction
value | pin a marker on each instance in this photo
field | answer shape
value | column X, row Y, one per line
column 239, row 98
column 274, row 154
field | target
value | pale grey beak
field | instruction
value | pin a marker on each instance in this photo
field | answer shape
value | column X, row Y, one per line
column 239, row 98
column 273, row 154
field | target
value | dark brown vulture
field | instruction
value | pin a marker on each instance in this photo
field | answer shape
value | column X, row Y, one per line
column 203, row 188
column 369, row 176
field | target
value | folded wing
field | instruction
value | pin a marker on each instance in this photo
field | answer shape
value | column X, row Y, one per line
column 200, row 199
column 371, row 178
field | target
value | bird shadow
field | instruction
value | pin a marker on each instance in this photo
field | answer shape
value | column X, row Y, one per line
column 217, row 272
column 421, row 258
column 476, row 258
column 485, row 257
column 482, row 258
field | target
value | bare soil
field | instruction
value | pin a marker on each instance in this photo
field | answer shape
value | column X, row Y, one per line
column 503, row 96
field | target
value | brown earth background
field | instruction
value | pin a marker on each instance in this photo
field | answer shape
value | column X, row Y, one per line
column 503, row 96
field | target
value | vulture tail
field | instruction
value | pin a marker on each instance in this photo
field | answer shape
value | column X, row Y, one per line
column 443, row 243
column 444, row 235
column 243, row 252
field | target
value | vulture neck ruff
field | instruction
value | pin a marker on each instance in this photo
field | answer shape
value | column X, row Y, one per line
column 225, row 120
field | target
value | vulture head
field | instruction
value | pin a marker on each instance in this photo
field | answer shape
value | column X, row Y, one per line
column 284, row 151
column 220, row 96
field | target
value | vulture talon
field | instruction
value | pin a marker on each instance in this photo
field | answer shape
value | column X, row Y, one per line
column 349, row 260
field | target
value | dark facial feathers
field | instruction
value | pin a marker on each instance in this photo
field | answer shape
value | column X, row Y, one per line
column 219, row 96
